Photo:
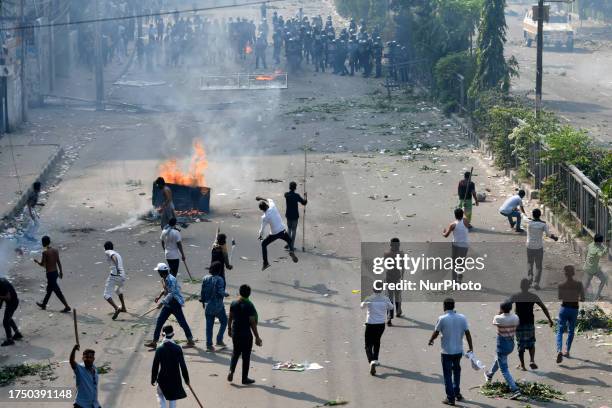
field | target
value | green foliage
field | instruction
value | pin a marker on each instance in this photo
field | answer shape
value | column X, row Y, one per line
column 445, row 75
column 598, row 9
column 9, row 373
column 373, row 11
column 492, row 69
column 499, row 123
column 553, row 192
column 436, row 28
column 572, row 146
column 531, row 390
column 568, row 145
column 593, row 317
column 606, row 189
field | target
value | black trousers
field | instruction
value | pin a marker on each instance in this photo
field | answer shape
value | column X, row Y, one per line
column 173, row 264
column 53, row 287
column 270, row 239
column 8, row 322
column 373, row 333
column 242, row 348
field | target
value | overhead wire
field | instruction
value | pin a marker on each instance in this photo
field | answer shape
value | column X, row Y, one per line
column 156, row 14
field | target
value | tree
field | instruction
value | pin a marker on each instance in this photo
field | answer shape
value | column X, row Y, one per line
column 492, row 70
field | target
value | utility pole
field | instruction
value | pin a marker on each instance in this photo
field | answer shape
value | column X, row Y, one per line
column 24, row 99
column 539, row 61
column 98, row 60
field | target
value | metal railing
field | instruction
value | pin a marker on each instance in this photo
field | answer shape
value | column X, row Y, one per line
column 415, row 72
column 244, row 81
column 582, row 198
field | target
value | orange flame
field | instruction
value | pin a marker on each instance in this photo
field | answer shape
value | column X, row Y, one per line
column 264, row 78
column 248, row 49
column 172, row 174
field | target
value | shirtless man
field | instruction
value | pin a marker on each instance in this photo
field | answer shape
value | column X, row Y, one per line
column 167, row 208
column 51, row 262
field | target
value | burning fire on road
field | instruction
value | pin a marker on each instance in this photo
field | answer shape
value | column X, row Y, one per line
column 171, row 172
column 189, row 192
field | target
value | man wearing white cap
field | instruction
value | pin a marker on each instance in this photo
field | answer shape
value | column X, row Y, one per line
column 171, row 304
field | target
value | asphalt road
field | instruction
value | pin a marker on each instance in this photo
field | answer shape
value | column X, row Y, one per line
column 577, row 85
column 308, row 310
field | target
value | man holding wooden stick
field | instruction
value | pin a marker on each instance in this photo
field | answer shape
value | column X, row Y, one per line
column 292, row 212
column 86, row 376
column 171, row 304
column 168, row 365
column 466, row 191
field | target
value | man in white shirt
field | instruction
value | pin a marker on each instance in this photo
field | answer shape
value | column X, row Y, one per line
column 278, row 230
column 378, row 306
column 453, row 327
column 116, row 278
column 510, row 209
column 173, row 247
column 536, row 228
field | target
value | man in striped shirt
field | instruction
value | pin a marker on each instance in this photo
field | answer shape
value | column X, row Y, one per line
column 506, row 323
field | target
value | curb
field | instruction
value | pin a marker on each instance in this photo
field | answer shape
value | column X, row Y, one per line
column 44, row 174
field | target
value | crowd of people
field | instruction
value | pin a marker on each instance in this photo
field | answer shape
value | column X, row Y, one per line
column 512, row 327
column 347, row 51
column 241, row 323
column 292, row 43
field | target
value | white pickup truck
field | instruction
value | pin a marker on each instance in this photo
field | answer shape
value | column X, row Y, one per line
column 558, row 30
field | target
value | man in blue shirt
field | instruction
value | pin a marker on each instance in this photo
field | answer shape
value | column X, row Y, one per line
column 453, row 326
column 86, row 376
column 171, row 304
column 211, row 296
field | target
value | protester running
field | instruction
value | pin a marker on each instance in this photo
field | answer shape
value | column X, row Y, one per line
column 53, row 267
column 466, row 190
column 8, row 297
column 211, row 296
column 453, row 326
column 171, row 304
column 506, row 323
column 536, row 229
column 278, row 230
column 242, row 327
column 87, row 379
column 571, row 293
column 292, row 213
column 31, row 204
column 525, row 332
column 168, row 366
column 172, row 245
column 510, row 209
column 595, row 251
column 378, row 306
column 115, row 280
